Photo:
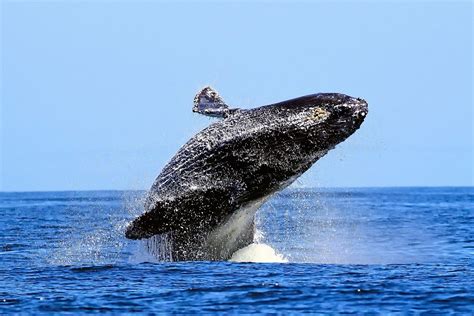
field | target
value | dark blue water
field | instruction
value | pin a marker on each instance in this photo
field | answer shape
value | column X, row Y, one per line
column 404, row 250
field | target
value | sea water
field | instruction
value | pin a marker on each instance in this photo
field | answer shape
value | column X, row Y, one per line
column 402, row 250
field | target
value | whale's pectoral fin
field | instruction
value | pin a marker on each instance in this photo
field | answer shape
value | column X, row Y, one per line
column 196, row 210
column 152, row 222
column 208, row 102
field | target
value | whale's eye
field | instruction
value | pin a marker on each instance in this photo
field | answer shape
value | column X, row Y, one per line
column 318, row 114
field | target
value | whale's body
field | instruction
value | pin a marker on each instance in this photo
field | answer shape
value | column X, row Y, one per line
column 206, row 197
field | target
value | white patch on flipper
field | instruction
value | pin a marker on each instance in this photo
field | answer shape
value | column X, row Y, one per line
column 258, row 253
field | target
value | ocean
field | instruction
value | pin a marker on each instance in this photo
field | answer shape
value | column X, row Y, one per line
column 360, row 250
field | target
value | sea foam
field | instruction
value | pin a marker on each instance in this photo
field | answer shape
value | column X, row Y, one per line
column 258, row 253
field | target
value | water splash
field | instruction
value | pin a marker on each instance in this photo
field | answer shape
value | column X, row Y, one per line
column 258, row 253
column 298, row 225
column 160, row 247
column 100, row 241
column 341, row 227
column 97, row 246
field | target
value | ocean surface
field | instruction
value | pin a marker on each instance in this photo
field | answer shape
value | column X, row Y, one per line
column 383, row 250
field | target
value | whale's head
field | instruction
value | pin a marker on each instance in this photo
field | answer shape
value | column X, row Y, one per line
column 286, row 138
column 323, row 113
column 323, row 119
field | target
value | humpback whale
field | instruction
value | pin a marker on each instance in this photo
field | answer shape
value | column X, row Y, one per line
column 205, row 199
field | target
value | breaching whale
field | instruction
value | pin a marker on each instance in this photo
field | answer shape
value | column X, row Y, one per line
column 206, row 197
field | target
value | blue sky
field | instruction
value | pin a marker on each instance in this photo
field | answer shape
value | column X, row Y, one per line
column 98, row 95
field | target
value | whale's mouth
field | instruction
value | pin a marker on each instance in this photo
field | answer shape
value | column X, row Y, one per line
column 361, row 108
column 357, row 106
column 352, row 110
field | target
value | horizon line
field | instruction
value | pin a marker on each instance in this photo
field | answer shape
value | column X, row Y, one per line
column 288, row 188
